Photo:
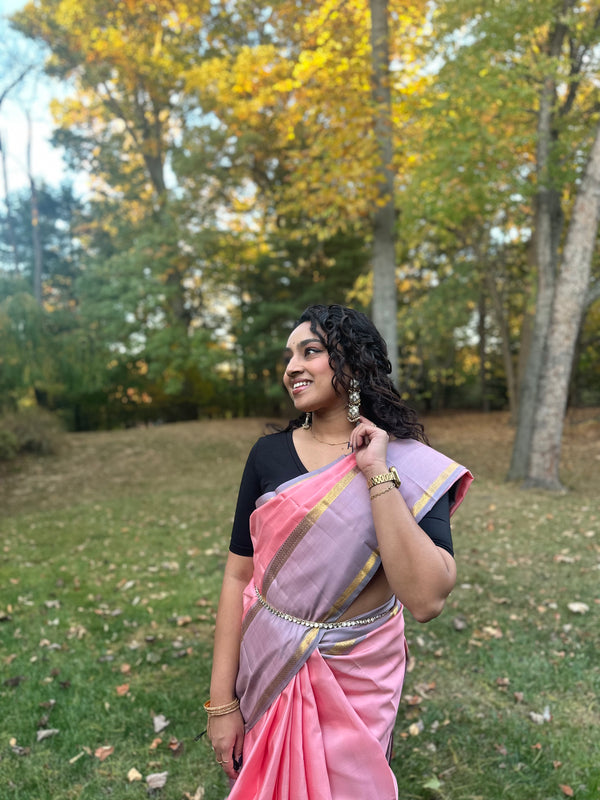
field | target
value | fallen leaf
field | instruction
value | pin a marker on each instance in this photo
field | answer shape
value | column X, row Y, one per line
column 122, row 689
column 176, row 747
column 160, row 722
column 102, row 753
column 413, row 700
column 539, row 719
column 125, row 669
column 459, row 623
column 198, row 794
column 157, row 780
column 155, row 743
column 416, row 728
column 566, row 790
column 46, row 734
column 134, row 775
column 77, row 757
column 493, row 631
column 578, row 608
column 14, row 681
column 17, row 749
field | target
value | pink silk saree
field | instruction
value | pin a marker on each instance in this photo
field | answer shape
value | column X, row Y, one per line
column 320, row 699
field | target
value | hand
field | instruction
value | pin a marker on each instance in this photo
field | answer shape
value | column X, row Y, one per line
column 370, row 445
column 226, row 734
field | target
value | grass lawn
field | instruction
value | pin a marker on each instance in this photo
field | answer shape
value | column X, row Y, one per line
column 111, row 563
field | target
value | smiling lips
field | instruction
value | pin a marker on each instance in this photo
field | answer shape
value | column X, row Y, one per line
column 298, row 386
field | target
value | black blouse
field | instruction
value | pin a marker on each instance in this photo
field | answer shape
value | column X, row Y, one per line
column 272, row 461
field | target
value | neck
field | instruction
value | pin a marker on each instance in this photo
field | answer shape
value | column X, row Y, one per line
column 332, row 427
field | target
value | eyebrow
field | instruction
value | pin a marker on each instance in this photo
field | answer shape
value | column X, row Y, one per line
column 303, row 343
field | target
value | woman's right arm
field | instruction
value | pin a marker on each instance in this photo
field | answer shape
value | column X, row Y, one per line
column 226, row 733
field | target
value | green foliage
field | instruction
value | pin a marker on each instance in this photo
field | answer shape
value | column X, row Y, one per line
column 59, row 216
column 284, row 278
column 231, row 157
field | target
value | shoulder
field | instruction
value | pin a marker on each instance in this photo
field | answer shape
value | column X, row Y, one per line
column 415, row 456
column 405, row 447
column 270, row 443
column 271, row 446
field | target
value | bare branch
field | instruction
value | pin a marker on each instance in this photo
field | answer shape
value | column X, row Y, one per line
column 12, row 85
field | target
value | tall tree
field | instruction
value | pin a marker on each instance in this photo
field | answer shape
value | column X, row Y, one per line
column 568, row 305
column 317, row 105
column 573, row 31
column 524, row 62
column 122, row 124
column 385, row 302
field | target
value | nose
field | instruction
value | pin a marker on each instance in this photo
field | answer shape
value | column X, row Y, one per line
column 293, row 366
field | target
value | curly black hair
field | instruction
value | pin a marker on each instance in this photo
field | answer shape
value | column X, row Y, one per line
column 357, row 350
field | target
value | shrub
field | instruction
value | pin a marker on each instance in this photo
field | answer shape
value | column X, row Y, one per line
column 9, row 445
column 30, row 431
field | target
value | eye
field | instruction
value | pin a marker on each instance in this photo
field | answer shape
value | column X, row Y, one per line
column 312, row 351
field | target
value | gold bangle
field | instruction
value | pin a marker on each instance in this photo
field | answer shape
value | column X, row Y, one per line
column 219, row 711
column 385, row 491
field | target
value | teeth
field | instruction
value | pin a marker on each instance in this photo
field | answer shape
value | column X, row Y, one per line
column 301, row 383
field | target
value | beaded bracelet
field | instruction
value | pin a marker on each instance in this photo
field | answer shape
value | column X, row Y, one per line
column 219, row 711
column 385, row 491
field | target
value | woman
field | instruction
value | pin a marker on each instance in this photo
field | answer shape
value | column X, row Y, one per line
column 342, row 520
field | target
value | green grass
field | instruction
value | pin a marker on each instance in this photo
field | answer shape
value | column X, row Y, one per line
column 111, row 563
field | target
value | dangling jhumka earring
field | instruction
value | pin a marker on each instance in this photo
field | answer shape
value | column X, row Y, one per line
column 307, row 421
column 354, row 401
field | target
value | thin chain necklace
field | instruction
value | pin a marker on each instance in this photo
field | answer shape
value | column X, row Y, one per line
column 331, row 444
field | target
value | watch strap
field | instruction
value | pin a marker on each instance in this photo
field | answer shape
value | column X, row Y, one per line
column 392, row 476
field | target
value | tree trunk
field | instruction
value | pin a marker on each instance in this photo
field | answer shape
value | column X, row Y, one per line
column 567, row 314
column 507, row 358
column 547, row 236
column 385, row 302
column 9, row 215
column 483, row 373
column 35, row 220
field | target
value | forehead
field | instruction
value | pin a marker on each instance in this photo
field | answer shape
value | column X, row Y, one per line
column 301, row 334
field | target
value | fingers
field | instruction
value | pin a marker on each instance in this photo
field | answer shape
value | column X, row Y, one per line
column 231, row 767
column 228, row 752
column 365, row 432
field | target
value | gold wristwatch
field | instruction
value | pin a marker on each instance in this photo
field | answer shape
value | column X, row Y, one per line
column 392, row 475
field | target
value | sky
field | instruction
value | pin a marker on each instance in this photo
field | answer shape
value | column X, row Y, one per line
column 35, row 95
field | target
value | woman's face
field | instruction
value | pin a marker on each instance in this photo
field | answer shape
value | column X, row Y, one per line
column 308, row 374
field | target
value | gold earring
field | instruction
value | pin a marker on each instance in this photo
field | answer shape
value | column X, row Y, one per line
column 354, row 401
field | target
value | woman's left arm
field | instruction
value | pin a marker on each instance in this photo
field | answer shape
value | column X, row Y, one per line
column 420, row 573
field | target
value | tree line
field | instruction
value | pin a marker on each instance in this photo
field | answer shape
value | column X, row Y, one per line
column 437, row 165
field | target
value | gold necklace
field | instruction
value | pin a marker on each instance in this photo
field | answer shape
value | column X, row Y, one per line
column 331, row 444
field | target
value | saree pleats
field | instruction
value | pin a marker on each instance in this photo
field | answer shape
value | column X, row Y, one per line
column 326, row 736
